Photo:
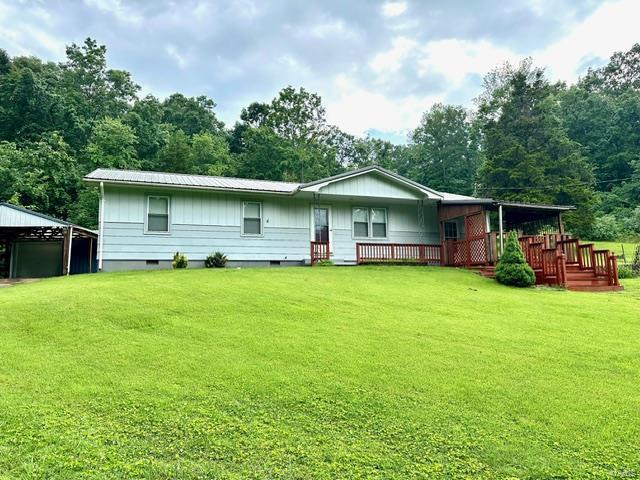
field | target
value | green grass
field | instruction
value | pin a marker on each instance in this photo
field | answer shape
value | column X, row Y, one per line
column 616, row 247
column 378, row 372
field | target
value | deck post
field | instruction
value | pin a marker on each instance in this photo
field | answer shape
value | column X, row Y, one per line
column 500, row 229
column 560, row 224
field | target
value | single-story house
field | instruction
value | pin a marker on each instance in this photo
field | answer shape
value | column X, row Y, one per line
column 358, row 216
column 33, row 244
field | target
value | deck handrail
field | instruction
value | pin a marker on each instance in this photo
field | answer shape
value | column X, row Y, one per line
column 320, row 251
column 398, row 252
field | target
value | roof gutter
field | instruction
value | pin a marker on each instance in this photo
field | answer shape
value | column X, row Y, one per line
column 188, row 187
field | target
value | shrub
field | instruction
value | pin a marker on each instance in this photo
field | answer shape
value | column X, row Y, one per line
column 635, row 265
column 324, row 263
column 216, row 260
column 625, row 271
column 180, row 260
column 513, row 269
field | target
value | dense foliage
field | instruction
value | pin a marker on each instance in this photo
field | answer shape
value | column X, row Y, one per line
column 215, row 260
column 513, row 269
column 527, row 140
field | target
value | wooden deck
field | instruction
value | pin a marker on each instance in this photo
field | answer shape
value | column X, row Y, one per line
column 556, row 259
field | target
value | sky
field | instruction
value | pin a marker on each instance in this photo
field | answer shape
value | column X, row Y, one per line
column 378, row 65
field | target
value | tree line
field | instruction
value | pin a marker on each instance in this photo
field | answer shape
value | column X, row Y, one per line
column 525, row 139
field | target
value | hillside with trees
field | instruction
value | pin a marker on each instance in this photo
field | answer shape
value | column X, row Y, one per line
column 526, row 139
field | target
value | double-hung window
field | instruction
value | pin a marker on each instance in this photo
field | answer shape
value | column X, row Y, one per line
column 370, row 222
column 252, row 218
column 157, row 214
column 360, row 222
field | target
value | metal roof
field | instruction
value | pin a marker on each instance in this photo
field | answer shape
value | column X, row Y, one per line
column 180, row 180
column 14, row 216
column 189, row 181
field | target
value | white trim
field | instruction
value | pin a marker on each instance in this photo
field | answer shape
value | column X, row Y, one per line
column 312, row 224
column 242, row 233
column 370, row 223
column 146, row 216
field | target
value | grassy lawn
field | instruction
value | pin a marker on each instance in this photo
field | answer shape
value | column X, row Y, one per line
column 616, row 247
column 379, row 372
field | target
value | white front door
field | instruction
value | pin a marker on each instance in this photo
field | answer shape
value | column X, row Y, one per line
column 321, row 230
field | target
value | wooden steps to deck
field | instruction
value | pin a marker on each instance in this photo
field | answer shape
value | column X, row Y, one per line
column 568, row 264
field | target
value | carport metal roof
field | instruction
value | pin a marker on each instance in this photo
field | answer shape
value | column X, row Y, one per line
column 15, row 218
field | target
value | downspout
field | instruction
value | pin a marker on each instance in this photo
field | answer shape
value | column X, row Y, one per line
column 101, row 226
column 500, row 228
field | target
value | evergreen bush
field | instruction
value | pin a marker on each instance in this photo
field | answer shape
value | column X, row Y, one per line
column 180, row 260
column 513, row 269
column 216, row 260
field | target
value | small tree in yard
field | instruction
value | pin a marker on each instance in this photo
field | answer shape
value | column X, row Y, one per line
column 513, row 269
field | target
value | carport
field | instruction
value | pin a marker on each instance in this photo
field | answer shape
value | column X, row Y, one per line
column 36, row 245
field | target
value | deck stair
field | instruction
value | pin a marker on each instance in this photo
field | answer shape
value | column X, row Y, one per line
column 564, row 261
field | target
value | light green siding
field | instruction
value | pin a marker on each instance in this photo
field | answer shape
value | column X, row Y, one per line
column 371, row 185
column 203, row 222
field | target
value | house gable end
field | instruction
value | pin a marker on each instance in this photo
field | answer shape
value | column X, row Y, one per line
column 371, row 183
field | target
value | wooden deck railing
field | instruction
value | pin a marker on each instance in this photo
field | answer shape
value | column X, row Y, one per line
column 550, row 263
column 398, row 252
column 570, row 249
column 320, row 251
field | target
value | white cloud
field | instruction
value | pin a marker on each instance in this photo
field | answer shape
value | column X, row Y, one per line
column 392, row 59
column 357, row 109
column 393, row 9
column 456, row 59
column 611, row 27
column 180, row 58
column 115, row 7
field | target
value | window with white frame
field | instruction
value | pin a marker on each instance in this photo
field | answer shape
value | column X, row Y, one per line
column 360, row 222
column 157, row 214
column 252, row 218
column 370, row 222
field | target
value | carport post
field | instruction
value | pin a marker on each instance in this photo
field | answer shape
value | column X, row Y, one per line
column 69, row 243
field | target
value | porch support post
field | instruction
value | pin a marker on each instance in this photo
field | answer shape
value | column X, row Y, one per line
column 560, row 224
column 90, row 255
column 69, row 243
column 500, row 229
